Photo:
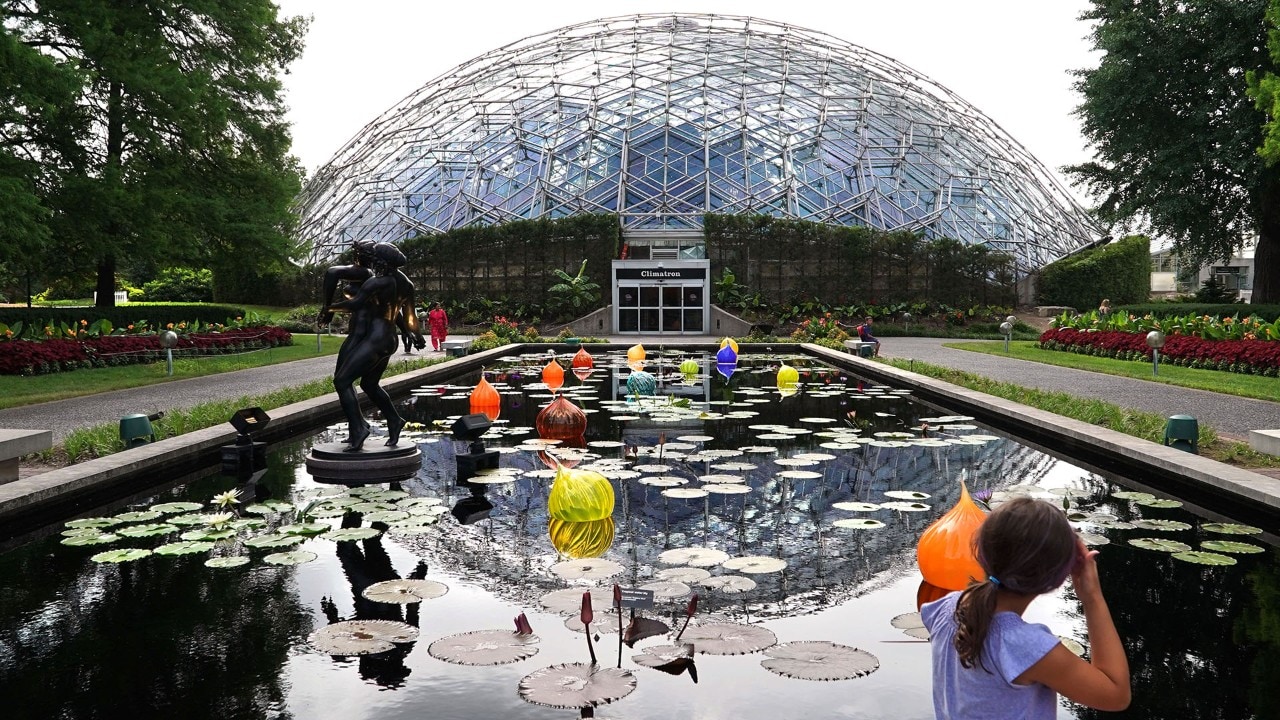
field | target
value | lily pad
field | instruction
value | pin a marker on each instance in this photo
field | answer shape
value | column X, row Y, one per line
column 1228, row 546
column 858, row 524
column 147, row 530
column 684, row 493
column 273, row 541
column 1158, row 503
column 304, row 529
column 94, row 539
column 720, row 638
column 819, row 660
column 1231, row 528
column 176, row 507
column 484, row 647
column 569, row 600
column 729, row 584
column 911, row 624
column 1160, row 544
column 1162, row 525
column 576, row 685
column 139, row 516
column 904, row 506
column 355, row 533
column 857, row 506
column 403, row 592
column 93, row 522
column 1132, row 495
column 682, row 574
column 207, row 534
column 667, row 589
column 906, row 495
column 293, row 557
column 362, row 637
column 121, row 555
column 227, row 561
column 1205, row 558
column 186, row 547
column 587, row 569
column 755, row 564
column 695, row 556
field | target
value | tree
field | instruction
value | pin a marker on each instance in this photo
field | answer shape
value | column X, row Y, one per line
column 178, row 150
column 1175, row 134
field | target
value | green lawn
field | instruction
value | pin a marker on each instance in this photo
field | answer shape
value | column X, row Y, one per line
column 1250, row 386
column 16, row 391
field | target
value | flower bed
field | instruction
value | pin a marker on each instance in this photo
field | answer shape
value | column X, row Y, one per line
column 1250, row 357
column 38, row 357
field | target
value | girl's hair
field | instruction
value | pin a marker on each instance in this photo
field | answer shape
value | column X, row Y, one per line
column 1025, row 546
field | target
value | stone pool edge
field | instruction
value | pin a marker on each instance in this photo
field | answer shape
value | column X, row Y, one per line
column 1049, row 429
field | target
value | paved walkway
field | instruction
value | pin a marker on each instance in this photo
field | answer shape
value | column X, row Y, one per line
column 1230, row 416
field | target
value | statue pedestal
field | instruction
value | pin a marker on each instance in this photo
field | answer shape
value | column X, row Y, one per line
column 376, row 463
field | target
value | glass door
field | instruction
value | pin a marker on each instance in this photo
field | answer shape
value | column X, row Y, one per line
column 660, row 309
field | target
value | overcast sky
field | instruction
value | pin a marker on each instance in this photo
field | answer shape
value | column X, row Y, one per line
column 1011, row 59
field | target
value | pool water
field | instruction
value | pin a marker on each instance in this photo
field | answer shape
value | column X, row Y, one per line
column 167, row 636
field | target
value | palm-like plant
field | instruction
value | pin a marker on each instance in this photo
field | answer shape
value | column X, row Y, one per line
column 574, row 292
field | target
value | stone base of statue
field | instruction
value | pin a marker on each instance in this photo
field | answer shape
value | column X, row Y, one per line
column 373, row 463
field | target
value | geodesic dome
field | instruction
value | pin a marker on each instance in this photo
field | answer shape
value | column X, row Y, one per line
column 663, row 118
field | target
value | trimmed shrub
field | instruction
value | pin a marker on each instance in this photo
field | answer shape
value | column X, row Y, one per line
column 1120, row 272
column 121, row 315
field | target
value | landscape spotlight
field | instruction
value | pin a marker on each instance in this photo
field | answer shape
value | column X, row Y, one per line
column 470, row 428
column 246, row 455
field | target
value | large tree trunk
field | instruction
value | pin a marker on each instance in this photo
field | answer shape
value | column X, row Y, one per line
column 106, row 282
column 1266, row 258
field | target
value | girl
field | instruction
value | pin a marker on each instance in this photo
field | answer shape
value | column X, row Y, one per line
column 987, row 661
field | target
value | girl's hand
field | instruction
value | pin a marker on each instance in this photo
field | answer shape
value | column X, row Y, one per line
column 1084, row 574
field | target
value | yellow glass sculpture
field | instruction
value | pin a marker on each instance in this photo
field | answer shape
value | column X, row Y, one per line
column 581, row 539
column 580, row 496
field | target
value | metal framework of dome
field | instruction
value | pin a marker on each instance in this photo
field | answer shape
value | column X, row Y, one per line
column 662, row 118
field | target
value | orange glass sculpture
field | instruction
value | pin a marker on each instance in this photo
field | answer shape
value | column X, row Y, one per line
column 561, row 455
column 553, row 375
column 945, row 551
column 581, row 539
column 561, row 420
column 485, row 399
column 635, row 357
column 583, row 364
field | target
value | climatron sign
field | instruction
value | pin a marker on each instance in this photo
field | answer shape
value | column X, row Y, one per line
column 662, row 273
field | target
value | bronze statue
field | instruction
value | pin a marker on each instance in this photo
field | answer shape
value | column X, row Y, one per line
column 379, row 298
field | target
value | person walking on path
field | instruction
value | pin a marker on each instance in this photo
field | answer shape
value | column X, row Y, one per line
column 438, row 321
column 989, row 663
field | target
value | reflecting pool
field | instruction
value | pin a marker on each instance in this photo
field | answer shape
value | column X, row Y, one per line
column 166, row 635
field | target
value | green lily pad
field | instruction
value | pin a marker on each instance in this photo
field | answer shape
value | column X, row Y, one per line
column 407, row 503
column 121, row 555
column 1132, row 495
column 1160, row 544
column 139, row 516
column 207, row 535
column 360, row 533
column 1093, row 539
column 327, row 511
column 148, row 530
column 307, row 529
column 387, row 496
column 1229, row 546
column 410, row 529
column 1162, row 525
column 371, row 507
column 94, row 539
column 294, row 557
column 858, row 523
column 242, row 523
column 386, row 516
column 1205, row 558
column 1109, row 521
column 176, row 507
column 269, row 506
column 1158, row 503
column 190, row 519
column 226, row 562
column 1231, row 528
column 93, row 522
column 273, row 541
column 185, row 547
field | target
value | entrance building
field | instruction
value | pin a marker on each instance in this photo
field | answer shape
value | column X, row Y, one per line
column 661, row 297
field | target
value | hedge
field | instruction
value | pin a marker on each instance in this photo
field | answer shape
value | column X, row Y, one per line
column 121, row 315
column 38, row 357
column 1119, row 272
column 1269, row 313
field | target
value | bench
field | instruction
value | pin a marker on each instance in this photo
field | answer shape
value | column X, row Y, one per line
column 860, row 348
column 16, row 443
column 455, row 348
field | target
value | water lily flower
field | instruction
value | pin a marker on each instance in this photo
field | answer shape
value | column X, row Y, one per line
column 227, row 499
column 219, row 519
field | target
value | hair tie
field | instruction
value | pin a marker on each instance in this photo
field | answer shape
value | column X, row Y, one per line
column 993, row 580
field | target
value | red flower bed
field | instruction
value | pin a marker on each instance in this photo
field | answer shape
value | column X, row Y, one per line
column 1252, row 357
column 30, row 357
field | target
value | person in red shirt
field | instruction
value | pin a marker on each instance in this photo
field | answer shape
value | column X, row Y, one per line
column 438, row 321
